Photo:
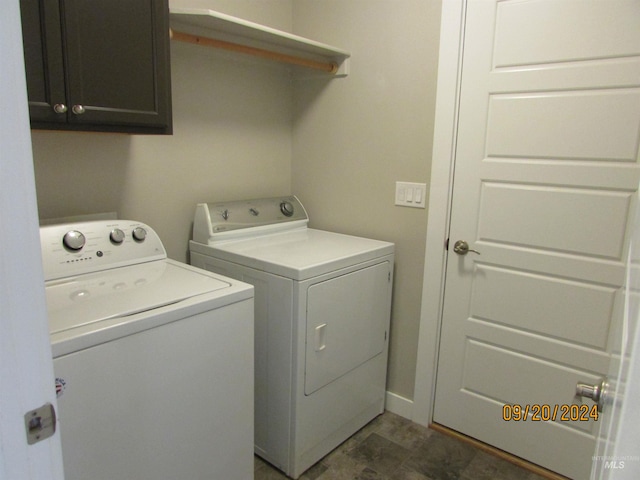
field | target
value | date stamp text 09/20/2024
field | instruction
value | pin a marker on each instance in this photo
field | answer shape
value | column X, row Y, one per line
column 544, row 412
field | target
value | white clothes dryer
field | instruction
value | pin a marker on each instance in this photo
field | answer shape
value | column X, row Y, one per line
column 322, row 310
column 153, row 358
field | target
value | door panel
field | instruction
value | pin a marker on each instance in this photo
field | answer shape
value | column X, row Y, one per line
column 563, row 226
column 600, row 124
column 346, row 323
column 520, row 24
column 560, row 305
column 545, row 173
column 484, row 363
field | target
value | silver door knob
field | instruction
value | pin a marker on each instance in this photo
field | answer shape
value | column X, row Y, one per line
column 78, row 109
column 597, row 393
column 462, row 248
column 60, row 108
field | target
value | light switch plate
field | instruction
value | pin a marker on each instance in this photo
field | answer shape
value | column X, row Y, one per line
column 411, row 194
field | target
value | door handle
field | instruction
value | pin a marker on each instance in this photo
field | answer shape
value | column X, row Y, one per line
column 597, row 393
column 320, row 345
column 462, row 248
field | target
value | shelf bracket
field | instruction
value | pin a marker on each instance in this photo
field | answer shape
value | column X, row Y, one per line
column 327, row 67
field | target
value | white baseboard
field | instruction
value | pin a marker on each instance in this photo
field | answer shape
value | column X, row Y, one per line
column 399, row 405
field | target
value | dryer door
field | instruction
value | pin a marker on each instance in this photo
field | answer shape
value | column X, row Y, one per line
column 347, row 323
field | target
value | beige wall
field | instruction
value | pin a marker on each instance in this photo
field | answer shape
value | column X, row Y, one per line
column 272, row 13
column 354, row 137
column 241, row 130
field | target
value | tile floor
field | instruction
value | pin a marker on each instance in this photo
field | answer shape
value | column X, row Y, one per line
column 393, row 448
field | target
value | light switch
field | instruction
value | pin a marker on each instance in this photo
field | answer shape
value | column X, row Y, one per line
column 400, row 195
column 411, row 194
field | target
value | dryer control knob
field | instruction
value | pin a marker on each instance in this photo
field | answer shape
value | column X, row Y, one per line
column 139, row 234
column 73, row 240
column 286, row 208
column 116, row 236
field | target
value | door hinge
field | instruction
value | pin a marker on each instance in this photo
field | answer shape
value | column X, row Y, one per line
column 389, row 277
column 446, row 244
column 40, row 423
column 385, row 335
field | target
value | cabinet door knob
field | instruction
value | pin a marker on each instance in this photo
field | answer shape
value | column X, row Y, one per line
column 78, row 109
column 60, row 108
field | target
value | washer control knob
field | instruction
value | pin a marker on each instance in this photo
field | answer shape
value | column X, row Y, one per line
column 286, row 208
column 139, row 234
column 116, row 236
column 73, row 240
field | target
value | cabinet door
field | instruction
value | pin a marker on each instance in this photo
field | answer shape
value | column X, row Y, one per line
column 43, row 59
column 117, row 62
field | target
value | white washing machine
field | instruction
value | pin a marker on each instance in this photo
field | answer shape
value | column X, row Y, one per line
column 153, row 358
column 322, row 309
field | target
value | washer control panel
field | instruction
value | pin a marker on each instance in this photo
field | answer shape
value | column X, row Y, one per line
column 85, row 247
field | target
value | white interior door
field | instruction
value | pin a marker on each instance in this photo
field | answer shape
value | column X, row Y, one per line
column 26, row 366
column 545, row 173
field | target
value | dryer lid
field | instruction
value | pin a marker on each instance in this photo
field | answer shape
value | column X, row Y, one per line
column 85, row 299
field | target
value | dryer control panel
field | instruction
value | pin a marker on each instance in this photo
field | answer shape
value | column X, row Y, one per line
column 85, row 247
column 220, row 221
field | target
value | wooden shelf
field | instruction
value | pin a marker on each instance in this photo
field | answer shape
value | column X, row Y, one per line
column 210, row 28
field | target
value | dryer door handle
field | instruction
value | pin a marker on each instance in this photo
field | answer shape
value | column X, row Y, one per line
column 320, row 331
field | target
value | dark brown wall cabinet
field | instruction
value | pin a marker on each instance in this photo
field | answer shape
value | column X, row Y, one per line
column 98, row 65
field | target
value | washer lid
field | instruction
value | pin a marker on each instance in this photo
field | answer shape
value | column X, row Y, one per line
column 298, row 254
column 85, row 299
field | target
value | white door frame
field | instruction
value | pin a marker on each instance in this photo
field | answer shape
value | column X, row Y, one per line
column 26, row 365
column 444, row 138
